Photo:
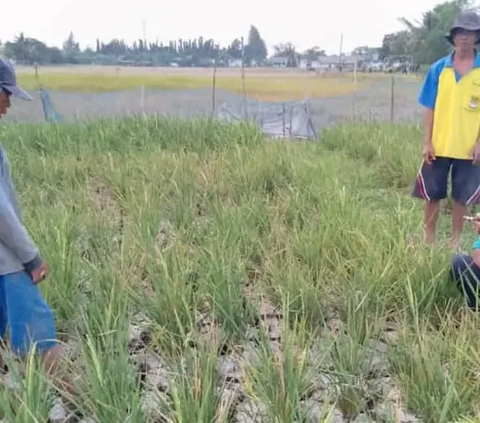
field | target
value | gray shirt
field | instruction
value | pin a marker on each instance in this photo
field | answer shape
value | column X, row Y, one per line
column 17, row 250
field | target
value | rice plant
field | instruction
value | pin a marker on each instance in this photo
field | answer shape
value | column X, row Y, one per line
column 203, row 273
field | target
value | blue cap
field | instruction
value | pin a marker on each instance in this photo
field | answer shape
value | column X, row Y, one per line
column 8, row 80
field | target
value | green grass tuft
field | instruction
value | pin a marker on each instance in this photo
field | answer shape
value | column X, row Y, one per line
column 199, row 226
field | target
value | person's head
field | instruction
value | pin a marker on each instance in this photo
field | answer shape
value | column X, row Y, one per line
column 464, row 40
column 465, row 31
column 8, row 86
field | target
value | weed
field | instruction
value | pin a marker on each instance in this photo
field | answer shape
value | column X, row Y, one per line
column 196, row 225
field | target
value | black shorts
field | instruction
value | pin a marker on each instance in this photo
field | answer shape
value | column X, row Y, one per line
column 432, row 180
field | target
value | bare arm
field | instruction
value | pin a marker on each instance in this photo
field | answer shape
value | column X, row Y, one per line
column 428, row 125
column 476, row 150
column 476, row 257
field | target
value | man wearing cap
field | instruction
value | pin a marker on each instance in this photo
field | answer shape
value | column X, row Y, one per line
column 22, row 307
column 451, row 97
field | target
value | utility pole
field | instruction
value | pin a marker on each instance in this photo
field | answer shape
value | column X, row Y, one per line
column 144, row 32
column 340, row 54
column 243, row 78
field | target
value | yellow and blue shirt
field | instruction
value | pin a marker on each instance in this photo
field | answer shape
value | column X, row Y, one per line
column 455, row 100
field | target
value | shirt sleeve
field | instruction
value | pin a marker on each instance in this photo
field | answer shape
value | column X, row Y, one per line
column 14, row 236
column 428, row 93
column 10, row 188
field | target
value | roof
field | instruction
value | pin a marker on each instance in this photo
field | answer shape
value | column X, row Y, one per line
column 329, row 60
column 334, row 59
column 279, row 59
column 351, row 59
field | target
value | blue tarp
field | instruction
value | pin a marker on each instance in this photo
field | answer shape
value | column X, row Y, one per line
column 51, row 115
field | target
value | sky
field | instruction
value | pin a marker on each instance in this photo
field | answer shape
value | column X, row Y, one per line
column 304, row 23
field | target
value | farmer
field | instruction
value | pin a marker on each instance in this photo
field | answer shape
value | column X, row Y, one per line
column 22, row 307
column 465, row 270
column 451, row 97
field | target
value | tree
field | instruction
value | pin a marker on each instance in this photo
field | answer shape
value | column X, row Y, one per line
column 427, row 36
column 396, row 44
column 424, row 40
column 313, row 53
column 192, row 52
column 287, row 50
column 234, row 50
column 70, row 46
column 30, row 50
column 366, row 51
column 256, row 49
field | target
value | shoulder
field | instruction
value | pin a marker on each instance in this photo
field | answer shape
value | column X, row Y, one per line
column 429, row 91
column 436, row 68
column 476, row 63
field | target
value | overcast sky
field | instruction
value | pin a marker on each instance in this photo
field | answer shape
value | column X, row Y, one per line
column 303, row 22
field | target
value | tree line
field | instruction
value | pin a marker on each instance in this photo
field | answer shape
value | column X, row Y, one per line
column 192, row 52
column 419, row 43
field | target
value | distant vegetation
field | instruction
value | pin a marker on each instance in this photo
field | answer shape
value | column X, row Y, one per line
column 420, row 43
column 196, row 52
column 423, row 41
column 256, row 86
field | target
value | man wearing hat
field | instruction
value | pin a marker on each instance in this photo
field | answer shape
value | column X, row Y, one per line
column 451, row 97
column 22, row 307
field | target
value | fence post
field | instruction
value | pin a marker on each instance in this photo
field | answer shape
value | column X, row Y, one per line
column 291, row 121
column 261, row 114
column 36, row 73
column 354, row 95
column 214, row 87
column 243, row 80
column 392, row 99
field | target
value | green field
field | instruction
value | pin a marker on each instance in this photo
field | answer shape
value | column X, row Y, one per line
column 300, row 265
column 262, row 86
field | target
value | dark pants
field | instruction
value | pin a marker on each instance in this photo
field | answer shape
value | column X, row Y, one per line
column 467, row 275
column 432, row 181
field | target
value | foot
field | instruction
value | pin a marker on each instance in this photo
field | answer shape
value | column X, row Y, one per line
column 455, row 244
column 430, row 237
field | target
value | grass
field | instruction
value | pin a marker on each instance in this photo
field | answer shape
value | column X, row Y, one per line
column 300, row 264
column 274, row 88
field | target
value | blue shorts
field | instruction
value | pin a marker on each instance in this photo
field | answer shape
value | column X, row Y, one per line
column 26, row 313
column 466, row 274
column 432, row 181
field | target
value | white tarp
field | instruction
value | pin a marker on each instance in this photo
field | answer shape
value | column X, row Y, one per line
column 280, row 120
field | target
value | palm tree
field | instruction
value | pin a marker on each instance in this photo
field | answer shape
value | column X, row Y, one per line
column 426, row 36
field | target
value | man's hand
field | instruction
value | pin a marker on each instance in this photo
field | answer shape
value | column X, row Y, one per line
column 429, row 154
column 39, row 274
column 476, row 153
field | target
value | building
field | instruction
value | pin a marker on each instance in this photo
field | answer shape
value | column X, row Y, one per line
column 349, row 62
column 329, row 62
column 235, row 63
column 278, row 62
column 310, row 64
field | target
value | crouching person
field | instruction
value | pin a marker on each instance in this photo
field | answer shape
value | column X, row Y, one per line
column 465, row 271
